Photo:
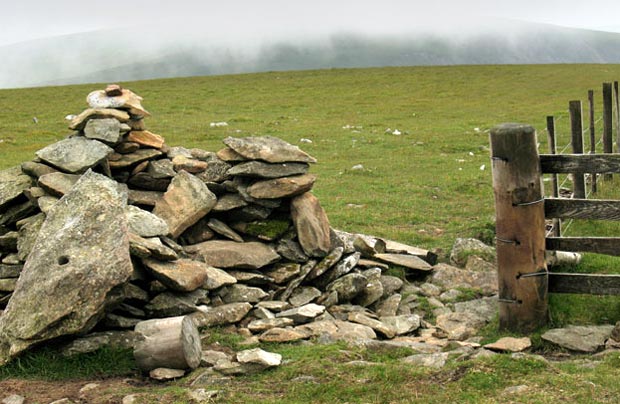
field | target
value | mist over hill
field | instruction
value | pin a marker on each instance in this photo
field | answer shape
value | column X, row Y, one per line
column 122, row 55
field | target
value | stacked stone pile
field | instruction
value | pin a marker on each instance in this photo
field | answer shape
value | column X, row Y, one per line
column 111, row 226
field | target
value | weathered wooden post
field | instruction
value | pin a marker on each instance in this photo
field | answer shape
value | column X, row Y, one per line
column 555, row 189
column 576, row 128
column 617, row 102
column 520, row 228
column 607, row 123
column 592, row 135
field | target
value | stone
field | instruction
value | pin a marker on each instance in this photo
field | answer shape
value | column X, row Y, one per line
column 172, row 304
column 230, row 254
column 274, row 305
column 430, row 290
column 216, row 278
column 150, row 247
column 114, row 321
column 376, row 325
column 178, row 151
column 269, row 149
column 75, row 155
column 311, row 224
column 14, row 399
column 579, row 338
column 342, row 268
column 282, row 187
column 466, row 247
column 403, row 260
column 12, row 186
column 113, row 90
column 485, row 308
column 125, row 161
column 304, row 295
column 126, row 147
column 145, row 139
column 215, row 171
column 223, row 229
column 403, row 324
column 10, row 271
column 46, row 203
column 400, row 248
column 8, row 241
column 269, row 323
column 198, row 232
column 210, row 357
column 202, row 395
column 28, row 234
column 241, row 293
column 516, row 390
column 277, row 334
column 229, row 202
column 35, row 170
column 282, row 273
column 326, row 263
column 389, row 306
column 81, row 254
column 145, row 198
column 373, row 291
column 510, row 344
column 220, row 315
column 431, row 360
column 185, row 202
column 259, row 357
column 450, row 295
column 183, row 275
column 448, row 276
column 107, row 130
column 191, row 165
column 337, row 330
column 475, row 263
column 144, row 180
column 368, row 246
column 303, row 314
column 391, row 284
column 162, row 168
column 229, row 155
column 126, row 100
column 265, row 170
column 366, row 263
column 80, row 121
column 16, row 213
column 348, row 286
column 165, row 374
column 460, row 326
column 8, row 285
column 144, row 223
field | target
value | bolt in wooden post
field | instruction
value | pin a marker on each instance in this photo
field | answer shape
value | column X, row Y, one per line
column 592, row 135
column 520, row 228
column 576, row 128
column 555, row 190
column 607, row 123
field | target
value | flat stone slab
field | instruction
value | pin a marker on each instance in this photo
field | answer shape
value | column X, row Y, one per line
column 12, row 185
column 79, row 122
column 311, row 224
column 126, row 100
column 58, row 183
column 282, row 187
column 510, row 344
column 405, row 260
column 183, row 275
column 121, row 161
column 230, row 254
column 144, row 223
column 146, row 138
column 261, row 169
column 580, row 338
column 81, row 254
column 220, row 315
column 269, row 149
column 107, row 130
column 75, row 155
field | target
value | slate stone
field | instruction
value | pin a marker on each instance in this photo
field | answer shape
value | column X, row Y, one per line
column 126, row 147
column 311, row 224
column 269, row 149
column 391, row 285
column 221, row 315
column 291, row 250
column 81, row 254
column 198, row 232
column 510, row 344
column 215, row 171
column 191, row 165
column 376, row 325
column 372, row 291
column 75, row 155
column 403, row 260
column 223, row 229
column 229, row 202
column 403, row 324
column 185, row 202
column 145, row 139
column 144, row 223
column 282, row 273
column 239, row 293
column 144, row 180
column 117, row 98
column 162, row 168
column 93, row 342
column 150, row 247
column 17, row 212
column 230, row 254
column 337, row 330
column 253, row 278
column 449, row 276
column 10, row 271
column 124, row 161
column 295, row 282
column 282, row 187
column 261, row 169
column 216, row 278
column 114, row 321
column 303, row 314
column 431, row 360
column 348, row 286
column 8, row 241
column 172, row 304
column 229, row 155
column 166, row 374
column 342, row 268
column 107, row 130
column 466, row 247
column 80, row 121
column 263, row 325
column 326, row 263
column 278, row 334
column 259, row 357
column 8, row 285
column 182, row 275
column 460, row 326
column 580, row 338
column 46, row 203
column 35, row 169
column 28, row 234
column 178, row 151
column 145, row 198
column 304, row 295
column 12, row 185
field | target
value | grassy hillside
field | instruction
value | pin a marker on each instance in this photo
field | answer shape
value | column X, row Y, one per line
column 424, row 187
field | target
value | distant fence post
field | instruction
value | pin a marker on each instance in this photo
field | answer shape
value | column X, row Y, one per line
column 576, row 128
column 520, row 228
column 592, row 135
column 607, row 122
column 555, row 190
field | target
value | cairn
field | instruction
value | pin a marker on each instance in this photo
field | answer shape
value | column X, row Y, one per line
column 111, row 227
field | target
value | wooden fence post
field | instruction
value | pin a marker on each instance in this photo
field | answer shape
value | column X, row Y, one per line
column 520, row 228
column 576, row 128
column 555, row 190
column 617, row 117
column 592, row 135
column 607, row 123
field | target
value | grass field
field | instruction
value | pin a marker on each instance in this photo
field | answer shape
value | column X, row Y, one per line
column 425, row 187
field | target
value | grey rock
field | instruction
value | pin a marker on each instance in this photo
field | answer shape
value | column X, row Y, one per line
column 14, row 399
column 150, row 247
column 389, row 306
column 475, row 263
column 228, row 202
column 376, row 325
column 12, row 185
column 79, row 121
column 269, row 149
column 460, row 326
column 450, row 295
column 223, row 229
column 178, row 151
column 430, row 290
column 215, row 171
column 230, row 254
column 8, row 241
column 311, row 224
column 28, row 235
column 107, row 130
column 580, row 338
column 402, row 324
column 510, row 344
column 144, row 180
column 46, row 203
column 291, row 250
column 8, row 285
column 238, row 293
column 282, row 273
column 348, row 286
column 216, row 278
column 337, row 330
column 10, row 271
column 185, row 202
column 15, row 213
column 183, row 275
column 35, row 170
column 448, row 276
column 146, row 198
column 466, row 247
column 210, row 357
column 304, row 295
column 326, row 263
column 373, row 290
column 81, row 254
column 261, row 313
column 171, row 304
column 303, row 314
column 281, row 187
column 220, row 315
column 274, row 305
column 144, row 223
column 259, row 357
column 485, row 308
column 293, row 284
column 269, row 323
column 58, row 184
column 404, row 260
column 278, row 334
column 432, row 360
column 391, row 284
column 266, row 170
column 115, row 321
column 198, row 233
column 125, row 161
column 166, row 374
column 252, row 278
column 343, row 267
column 75, row 155
column 160, row 169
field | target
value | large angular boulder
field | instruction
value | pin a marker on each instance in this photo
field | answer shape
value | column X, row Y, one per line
column 80, row 256
column 75, row 154
column 186, row 201
column 311, row 224
column 269, row 149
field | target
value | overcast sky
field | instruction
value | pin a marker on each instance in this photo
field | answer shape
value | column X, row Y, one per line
column 28, row 19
